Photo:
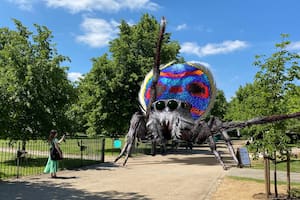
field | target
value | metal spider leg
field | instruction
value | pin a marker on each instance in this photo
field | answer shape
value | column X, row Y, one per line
column 229, row 145
column 126, row 149
column 153, row 126
column 137, row 129
column 213, row 148
column 153, row 148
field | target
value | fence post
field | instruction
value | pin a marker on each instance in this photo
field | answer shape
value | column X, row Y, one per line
column 102, row 150
column 81, row 152
column 18, row 160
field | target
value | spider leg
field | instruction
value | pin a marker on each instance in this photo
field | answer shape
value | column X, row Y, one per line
column 127, row 149
column 156, row 136
column 137, row 129
column 213, row 147
column 202, row 131
column 153, row 147
column 229, row 145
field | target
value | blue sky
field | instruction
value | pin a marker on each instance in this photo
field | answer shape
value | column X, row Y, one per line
column 224, row 35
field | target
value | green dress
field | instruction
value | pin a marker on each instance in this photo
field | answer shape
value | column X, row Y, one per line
column 52, row 165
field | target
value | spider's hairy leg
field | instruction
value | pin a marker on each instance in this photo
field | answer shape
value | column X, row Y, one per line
column 137, row 129
column 202, row 131
column 229, row 145
column 213, row 148
column 154, row 128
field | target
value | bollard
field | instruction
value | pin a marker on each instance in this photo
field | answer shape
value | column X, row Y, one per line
column 102, row 150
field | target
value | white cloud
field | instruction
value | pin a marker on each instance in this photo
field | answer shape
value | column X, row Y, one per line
column 101, row 5
column 212, row 49
column 75, row 6
column 97, row 32
column 191, row 48
column 294, row 46
column 23, row 4
column 181, row 27
column 74, row 76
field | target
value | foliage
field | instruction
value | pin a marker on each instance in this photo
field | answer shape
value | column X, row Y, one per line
column 292, row 99
column 108, row 93
column 35, row 91
column 220, row 105
column 273, row 92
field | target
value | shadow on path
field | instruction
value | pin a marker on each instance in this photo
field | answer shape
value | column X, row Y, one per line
column 48, row 191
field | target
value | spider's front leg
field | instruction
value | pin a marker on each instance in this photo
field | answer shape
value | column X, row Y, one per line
column 137, row 129
column 200, row 133
column 215, row 125
column 154, row 127
column 229, row 146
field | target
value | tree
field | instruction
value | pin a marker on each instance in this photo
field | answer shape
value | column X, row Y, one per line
column 292, row 99
column 275, row 80
column 116, row 80
column 273, row 85
column 272, row 92
column 35, row 90
column 220, row 105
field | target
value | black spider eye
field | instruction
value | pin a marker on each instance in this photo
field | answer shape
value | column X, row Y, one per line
column 160, row 105
column 172, row 104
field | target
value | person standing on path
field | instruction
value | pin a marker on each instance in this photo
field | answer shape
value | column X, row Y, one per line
column 52, row 165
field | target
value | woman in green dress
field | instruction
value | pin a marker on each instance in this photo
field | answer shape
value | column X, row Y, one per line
column 52, row 165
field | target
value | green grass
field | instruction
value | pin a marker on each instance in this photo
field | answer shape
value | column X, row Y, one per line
column 142, row 148
column 262, row 181
column 295, row 165
column 70, row 146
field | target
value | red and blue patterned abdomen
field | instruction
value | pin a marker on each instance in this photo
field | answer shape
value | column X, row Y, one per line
column 189, row 82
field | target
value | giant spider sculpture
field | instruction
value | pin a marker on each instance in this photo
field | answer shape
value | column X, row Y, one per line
column 175, row 99
column 185, row 93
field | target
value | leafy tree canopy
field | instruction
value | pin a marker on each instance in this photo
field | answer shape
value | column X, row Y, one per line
column 35, row 91
column 273, row 92
column 220, row 105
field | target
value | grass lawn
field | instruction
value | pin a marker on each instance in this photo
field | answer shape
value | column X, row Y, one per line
column 72, row 146
column 295, row 165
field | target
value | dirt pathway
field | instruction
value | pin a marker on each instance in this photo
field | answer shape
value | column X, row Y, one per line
column 174, row 176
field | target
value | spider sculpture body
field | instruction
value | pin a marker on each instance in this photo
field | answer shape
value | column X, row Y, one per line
column 185, row 93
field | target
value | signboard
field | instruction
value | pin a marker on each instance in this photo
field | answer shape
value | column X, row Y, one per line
column 117, row 143
column 243, row 156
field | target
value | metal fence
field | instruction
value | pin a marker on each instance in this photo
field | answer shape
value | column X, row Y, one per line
column 77, row 152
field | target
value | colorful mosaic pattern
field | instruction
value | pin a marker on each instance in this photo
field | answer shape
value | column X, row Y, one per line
column 189, row 82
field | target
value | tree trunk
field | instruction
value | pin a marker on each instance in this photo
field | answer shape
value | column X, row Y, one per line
column 267, row 176
column 275, row 176
column 288, row 174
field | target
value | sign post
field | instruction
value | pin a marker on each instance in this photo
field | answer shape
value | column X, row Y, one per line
column 243, row 157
